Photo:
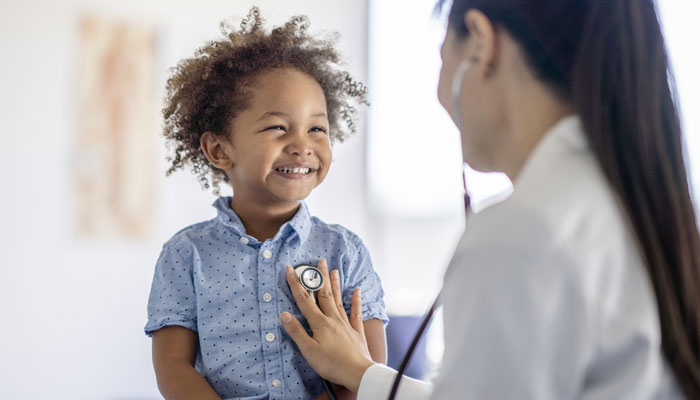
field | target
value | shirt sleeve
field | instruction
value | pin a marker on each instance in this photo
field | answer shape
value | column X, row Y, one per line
column 172, row 300
column 377, row 382
column 360, row 273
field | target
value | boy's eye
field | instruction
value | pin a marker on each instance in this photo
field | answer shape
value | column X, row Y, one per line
column 318, row 129
column 275, row 128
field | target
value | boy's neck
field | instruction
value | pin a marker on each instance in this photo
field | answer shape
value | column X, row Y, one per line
column 262, row 221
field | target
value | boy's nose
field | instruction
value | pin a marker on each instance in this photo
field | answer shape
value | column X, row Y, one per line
column 300, row 149
column 299, row 145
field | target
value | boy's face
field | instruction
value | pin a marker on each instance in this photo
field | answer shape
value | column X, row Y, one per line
column 280, row 146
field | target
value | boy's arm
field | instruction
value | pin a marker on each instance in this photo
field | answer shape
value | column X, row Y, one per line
column 376, row 339
column 174, row 352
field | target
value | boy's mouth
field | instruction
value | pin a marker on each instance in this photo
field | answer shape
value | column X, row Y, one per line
column 294, row 170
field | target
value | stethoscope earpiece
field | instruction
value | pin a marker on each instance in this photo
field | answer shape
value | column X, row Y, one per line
column 457, row 80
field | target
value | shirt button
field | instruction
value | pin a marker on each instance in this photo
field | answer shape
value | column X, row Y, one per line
column 267, row 297
column 276, row 383
column 267, row 254
column 244, row 240
column 270, row 337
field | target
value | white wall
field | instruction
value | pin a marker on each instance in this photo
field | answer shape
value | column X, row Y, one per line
column 74, row 309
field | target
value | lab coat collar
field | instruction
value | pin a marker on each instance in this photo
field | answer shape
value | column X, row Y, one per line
column 565, row 138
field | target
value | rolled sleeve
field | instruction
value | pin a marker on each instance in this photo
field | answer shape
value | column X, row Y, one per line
column 172, row 300
column 360, row 273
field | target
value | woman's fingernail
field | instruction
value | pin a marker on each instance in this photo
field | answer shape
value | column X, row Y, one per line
column 286, row 317
column 335, row 274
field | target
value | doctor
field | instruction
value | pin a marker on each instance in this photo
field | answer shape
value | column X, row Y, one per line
column 585, row 282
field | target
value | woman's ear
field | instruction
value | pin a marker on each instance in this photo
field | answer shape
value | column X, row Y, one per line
column 217, row 149
column 484, row 42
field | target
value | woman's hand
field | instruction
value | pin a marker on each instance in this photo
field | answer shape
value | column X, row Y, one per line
column 338, row 349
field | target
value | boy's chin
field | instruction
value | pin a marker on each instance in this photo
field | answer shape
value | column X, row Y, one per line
column 293, row 197
column 293, row 194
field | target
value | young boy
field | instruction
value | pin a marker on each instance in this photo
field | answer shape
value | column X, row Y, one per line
column 257, row 110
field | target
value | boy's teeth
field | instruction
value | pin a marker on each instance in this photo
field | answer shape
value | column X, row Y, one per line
column 294, row 170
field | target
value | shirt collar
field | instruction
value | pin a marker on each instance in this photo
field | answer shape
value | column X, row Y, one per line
column 564, row 138
column 300, row 222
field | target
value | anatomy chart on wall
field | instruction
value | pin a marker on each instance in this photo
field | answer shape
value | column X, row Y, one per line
column 117, row 129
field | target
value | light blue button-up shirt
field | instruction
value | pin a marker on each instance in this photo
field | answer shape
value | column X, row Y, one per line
column 230, row 288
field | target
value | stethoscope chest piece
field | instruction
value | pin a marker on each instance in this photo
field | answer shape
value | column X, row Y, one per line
column 310, row 277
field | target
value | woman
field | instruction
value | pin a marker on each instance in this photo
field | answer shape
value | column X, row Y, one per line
column 585, row 282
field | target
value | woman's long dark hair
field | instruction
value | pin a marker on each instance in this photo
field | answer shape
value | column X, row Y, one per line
column 608, row 58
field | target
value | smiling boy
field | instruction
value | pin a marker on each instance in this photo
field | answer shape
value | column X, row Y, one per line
column 257, row 110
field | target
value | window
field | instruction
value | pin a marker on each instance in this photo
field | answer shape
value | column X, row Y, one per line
column 414, row 152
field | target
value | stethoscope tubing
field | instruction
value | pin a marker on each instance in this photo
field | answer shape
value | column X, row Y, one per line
column 416, row 338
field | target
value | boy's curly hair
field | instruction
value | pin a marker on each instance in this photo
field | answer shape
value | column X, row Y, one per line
column 205, row 92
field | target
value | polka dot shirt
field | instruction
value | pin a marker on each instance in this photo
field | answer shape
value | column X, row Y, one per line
column 230, row 288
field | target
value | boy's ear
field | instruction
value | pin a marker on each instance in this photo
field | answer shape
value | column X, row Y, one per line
column 217, row 150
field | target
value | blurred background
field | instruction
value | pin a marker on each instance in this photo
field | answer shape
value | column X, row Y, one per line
column 86, row 206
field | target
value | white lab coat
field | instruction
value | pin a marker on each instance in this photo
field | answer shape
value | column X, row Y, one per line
column 547, row 296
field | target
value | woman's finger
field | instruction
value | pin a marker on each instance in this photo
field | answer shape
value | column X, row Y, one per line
column 297, row 332
column 305, row 301
column 338, row 294
column 356, row 312
column 325, row 294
